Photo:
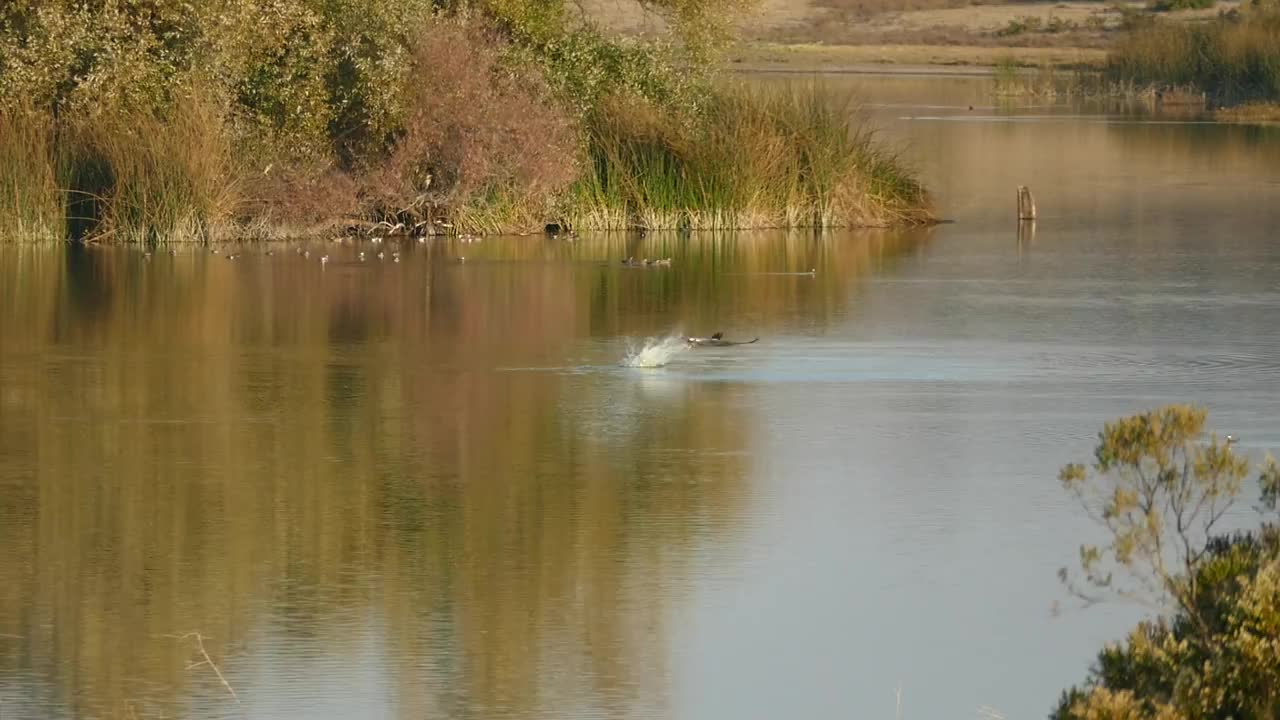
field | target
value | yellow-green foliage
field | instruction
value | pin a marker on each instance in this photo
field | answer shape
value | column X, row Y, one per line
column 701, row 25
column 1178, row 671
column 748, row 159
column 307, row 72
column 1159, row 488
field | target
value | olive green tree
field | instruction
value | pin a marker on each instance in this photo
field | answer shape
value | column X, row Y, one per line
column 1160, row 488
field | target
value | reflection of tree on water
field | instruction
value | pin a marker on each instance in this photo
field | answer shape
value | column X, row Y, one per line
column 721, row 281
column 211, row 450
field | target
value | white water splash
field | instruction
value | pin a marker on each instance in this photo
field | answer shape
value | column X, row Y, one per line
column 655, row 352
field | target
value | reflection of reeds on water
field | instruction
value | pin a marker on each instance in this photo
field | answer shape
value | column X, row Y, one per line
column 237, row 447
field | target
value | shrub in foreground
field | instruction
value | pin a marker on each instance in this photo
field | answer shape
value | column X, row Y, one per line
column 1160, row 491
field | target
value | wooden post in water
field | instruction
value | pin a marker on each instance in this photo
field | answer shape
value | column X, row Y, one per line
column 1026, row 233
column 1026, row 204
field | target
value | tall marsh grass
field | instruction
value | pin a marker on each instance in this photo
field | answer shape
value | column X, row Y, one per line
column 132, row 177
column 752, row 158
column 1234, row 58
column 137, row 177
column 31, row 204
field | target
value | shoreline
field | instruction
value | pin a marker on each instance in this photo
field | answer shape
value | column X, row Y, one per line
column 974, row 60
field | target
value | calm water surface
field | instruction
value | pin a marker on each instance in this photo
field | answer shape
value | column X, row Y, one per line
column 429, row 489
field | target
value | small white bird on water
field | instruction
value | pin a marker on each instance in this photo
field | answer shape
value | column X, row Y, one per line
column 324, row 260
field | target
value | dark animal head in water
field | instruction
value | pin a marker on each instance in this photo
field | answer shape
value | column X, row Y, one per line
column 717, row 336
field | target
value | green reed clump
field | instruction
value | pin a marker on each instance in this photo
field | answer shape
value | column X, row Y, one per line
column 1007, row 76
column 31, row 205
column 1234, row 58
column 750, row 158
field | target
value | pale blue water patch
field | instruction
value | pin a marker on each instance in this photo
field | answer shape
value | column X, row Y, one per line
column 348, row 676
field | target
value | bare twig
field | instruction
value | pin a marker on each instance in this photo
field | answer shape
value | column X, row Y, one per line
column 198, row 641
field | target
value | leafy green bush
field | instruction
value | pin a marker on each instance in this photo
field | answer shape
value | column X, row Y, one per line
column 1178, row 669
column 308, row 75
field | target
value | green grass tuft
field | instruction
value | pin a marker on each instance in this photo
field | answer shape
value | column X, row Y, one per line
column 793, row 157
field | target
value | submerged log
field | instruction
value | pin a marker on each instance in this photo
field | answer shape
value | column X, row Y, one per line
column 1026, row 204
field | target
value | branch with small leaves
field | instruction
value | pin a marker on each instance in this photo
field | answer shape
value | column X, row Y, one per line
column 1159, row 489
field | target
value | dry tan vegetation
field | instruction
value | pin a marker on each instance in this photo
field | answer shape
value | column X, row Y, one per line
column 1250, row 113
column 476, row 133
column 1075, row 23
column 836, row 58
column 829, row 34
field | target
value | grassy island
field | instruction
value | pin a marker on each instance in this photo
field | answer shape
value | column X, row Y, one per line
column 145, row 120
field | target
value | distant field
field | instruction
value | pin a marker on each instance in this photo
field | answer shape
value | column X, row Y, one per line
column 927, row 31
column 806, row 57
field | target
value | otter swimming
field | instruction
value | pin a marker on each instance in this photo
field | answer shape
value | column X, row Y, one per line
column 717, row 340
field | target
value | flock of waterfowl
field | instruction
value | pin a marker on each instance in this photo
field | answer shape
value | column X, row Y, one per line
column 378, row 253
column 324, row 258
column 363, row 256
column 646, row 262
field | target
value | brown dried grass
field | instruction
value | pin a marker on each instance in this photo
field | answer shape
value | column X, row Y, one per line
column 484, row 141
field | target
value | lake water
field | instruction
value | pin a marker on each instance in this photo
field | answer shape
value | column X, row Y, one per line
column 431, row 489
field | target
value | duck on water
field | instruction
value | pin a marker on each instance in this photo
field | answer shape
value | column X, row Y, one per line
column 717, row 340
